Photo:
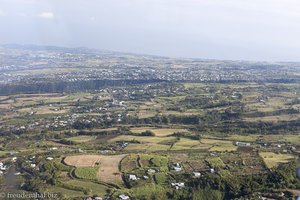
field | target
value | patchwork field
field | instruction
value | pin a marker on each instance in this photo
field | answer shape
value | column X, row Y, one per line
column 108, row 165
column 139, row 163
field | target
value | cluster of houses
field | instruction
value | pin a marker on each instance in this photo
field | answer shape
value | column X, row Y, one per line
column 176, row 185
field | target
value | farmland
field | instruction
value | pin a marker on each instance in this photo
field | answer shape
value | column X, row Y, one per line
column 107, row 124
column 272, row 159
column 108, row 166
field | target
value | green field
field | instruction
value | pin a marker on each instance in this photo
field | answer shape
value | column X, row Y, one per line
column 89, row 173
column 93, row 188
column 83, row 138
column 273, row 159
column 159, row 132
column 215, row 162
column 65, row 192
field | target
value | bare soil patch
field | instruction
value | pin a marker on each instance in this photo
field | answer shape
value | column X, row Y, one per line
column 108, row 165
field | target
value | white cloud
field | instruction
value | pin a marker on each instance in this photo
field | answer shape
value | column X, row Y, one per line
column 46, row 15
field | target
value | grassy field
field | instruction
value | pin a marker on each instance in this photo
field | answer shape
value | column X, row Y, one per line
column 160, row 178
column 159, row 132
column 89, row 173
column 133, row 162
column 65, row 192
column 129, row 163
column 219, row 145
column 243, row 138
column 215, row 162
column 82, row 138
column 151, row 147
column 94, row 188
column 189, row 144
column 273, row 159
column 142, row 114
column 160, row 162
column 142, row 139
column 3, row 153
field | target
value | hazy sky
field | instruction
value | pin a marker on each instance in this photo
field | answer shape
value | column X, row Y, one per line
column 221, row 29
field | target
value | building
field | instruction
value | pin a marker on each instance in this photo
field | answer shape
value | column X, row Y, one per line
column 132, row 177
column 151, row 171
column 124, row 197
column 177, row 167
column 242, row 144
column 197, row 174
column 145, row 177
column 178, row 185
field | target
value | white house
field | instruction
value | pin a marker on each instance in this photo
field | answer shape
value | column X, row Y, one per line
column 146, row 177
column 197, row 174
column 132, row 177
column 242, row 144
column 151, row 170
column 124, row 196
column 49, row 158
column 32, row 165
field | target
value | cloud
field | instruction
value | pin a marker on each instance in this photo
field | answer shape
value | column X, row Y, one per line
column 46, row 15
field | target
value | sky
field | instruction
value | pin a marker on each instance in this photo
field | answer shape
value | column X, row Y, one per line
column 265, row 30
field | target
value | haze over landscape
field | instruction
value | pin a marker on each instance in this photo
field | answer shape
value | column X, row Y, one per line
column 208, row 29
